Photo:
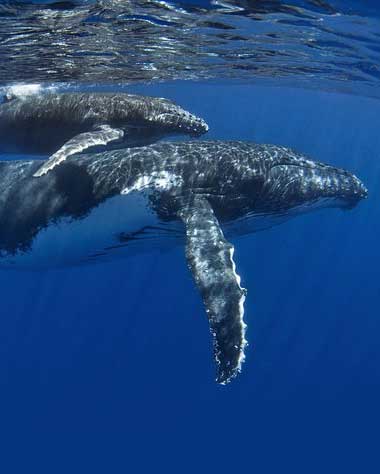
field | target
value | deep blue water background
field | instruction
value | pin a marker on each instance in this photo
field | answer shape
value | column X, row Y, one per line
column 108, row 368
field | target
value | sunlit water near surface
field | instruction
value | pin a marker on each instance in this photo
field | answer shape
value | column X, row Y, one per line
column 118, row 356
column 333, row 45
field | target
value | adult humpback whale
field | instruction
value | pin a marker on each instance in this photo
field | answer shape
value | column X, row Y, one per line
column 68, row 123
column 98, row 206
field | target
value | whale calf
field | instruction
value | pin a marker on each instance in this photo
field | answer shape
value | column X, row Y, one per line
column 95, row 207
column 68, row 123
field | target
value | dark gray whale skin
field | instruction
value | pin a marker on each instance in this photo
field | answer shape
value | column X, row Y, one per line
column 198, row 192
column 41, row 123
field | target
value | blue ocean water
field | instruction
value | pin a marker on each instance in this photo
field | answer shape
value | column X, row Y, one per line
column 108, row 368
column 120, row 354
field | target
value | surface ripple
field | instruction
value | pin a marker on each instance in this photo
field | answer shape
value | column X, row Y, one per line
column 314, row 43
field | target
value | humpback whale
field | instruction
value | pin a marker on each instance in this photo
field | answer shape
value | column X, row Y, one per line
column 68, row 123
column 94, row 207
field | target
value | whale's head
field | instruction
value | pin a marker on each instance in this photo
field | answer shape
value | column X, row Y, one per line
column 294, row 183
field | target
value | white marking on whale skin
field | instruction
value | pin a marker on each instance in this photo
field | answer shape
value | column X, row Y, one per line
column 161, row 180
column 77, row 241
column 244, row 342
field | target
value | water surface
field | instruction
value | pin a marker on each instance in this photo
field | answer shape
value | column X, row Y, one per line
column 332, row 45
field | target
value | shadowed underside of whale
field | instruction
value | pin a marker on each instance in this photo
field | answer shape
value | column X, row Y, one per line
column 94, row 207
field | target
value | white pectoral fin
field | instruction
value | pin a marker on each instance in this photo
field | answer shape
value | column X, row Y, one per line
column 101, row 136
column 210, row 258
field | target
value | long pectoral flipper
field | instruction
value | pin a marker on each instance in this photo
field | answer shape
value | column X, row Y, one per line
column 210, row 258
column 101, row 136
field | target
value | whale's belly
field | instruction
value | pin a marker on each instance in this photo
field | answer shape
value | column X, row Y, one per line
column 121, row 226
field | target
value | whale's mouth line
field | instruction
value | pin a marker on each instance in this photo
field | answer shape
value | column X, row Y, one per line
column 312, row 167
